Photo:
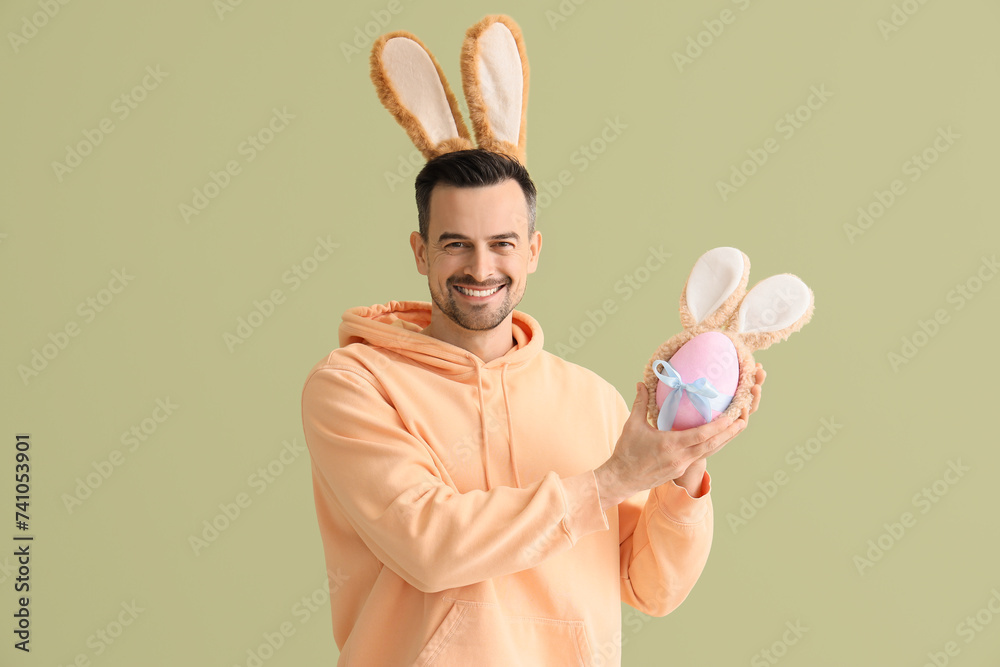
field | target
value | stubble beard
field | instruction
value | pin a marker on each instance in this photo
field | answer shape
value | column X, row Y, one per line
column 476, row 317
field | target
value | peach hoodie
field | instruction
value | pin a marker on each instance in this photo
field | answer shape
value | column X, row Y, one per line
column 458, row 506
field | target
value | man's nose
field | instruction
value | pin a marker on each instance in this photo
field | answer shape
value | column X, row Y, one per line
column 480, row 266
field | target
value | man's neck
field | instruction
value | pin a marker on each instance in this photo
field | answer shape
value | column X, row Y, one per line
column 487, row 345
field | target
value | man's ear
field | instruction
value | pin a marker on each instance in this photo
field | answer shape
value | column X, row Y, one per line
column 419, row 252
column 534, row 248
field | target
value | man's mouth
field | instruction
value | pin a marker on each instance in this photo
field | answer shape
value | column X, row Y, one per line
column 480, row 293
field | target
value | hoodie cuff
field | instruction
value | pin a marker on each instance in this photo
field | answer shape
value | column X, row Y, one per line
column 584, row 514
column 675, row 502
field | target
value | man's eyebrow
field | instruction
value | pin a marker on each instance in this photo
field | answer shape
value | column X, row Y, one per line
column 448, row 236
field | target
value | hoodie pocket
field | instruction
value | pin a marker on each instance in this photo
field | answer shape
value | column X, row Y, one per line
column 479, row 633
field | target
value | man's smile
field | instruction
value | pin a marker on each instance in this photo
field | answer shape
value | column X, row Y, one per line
column 478, row 294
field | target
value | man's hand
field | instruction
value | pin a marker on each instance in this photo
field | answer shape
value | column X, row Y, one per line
column 691, row 479
column 646, row 457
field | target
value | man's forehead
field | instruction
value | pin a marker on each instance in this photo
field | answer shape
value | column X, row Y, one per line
column 499, row 210
column 503, row 236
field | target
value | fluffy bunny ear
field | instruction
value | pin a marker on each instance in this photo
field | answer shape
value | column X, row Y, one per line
column 771, row 311
column 717, row 283
column 412, row 87
column 495, row 81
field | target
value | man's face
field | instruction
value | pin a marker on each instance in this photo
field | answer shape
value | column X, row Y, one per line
column 477, row 238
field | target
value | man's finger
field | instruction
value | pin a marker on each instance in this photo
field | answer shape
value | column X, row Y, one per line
column 693, row 437
column 717, row 441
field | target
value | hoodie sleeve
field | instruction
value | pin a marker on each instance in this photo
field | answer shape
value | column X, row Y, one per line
column 434, row 537
column 665, row 536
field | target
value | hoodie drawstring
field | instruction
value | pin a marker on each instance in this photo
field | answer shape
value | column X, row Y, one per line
column 510, row 428
column 482, row 421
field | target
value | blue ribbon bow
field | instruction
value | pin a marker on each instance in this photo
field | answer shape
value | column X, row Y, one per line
column 702, row 394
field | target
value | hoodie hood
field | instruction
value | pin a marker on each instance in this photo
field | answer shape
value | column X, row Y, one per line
column 397, row 326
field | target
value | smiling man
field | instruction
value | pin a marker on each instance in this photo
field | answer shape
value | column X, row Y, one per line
column 481, row 500
column 477, row 250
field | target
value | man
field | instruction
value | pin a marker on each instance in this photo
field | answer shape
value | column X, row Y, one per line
column 482, row 500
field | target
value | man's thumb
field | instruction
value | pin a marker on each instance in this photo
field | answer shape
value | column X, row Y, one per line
column 639, row 405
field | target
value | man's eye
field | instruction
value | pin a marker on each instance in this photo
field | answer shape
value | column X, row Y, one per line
column 454, row 244
column 506, row 243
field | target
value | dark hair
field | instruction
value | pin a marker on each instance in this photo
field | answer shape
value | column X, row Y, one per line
column 475, row 167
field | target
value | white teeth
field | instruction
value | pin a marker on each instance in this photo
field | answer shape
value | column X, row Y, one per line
column 472, row 292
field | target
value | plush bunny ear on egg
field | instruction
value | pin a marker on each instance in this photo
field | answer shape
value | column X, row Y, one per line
column 771, row 311
column 495, row 80
column 411, row 85
column 716, row 285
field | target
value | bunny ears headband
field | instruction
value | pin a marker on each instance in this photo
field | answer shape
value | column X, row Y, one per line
column 411, row 85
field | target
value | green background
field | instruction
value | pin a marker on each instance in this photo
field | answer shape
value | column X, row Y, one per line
column 325, row 175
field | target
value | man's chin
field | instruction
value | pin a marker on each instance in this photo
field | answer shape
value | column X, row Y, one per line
column 480, row 321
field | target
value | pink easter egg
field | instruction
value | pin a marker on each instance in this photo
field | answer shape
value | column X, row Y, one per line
column 711, row 355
